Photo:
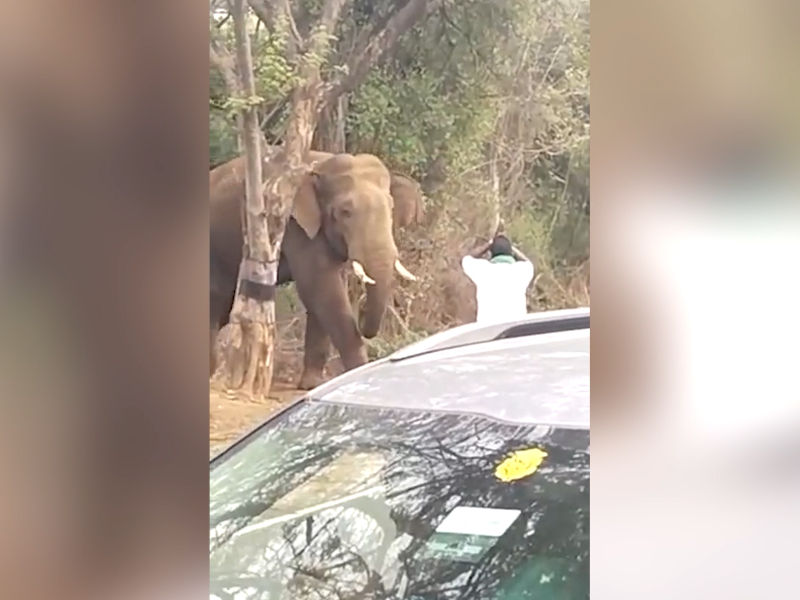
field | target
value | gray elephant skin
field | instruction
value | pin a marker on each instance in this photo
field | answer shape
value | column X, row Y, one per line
column 346, row 209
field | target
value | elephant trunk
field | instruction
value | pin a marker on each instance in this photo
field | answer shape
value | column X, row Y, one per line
column 379, row 265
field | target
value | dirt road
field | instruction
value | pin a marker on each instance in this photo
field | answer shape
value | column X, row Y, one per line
column 231, row 415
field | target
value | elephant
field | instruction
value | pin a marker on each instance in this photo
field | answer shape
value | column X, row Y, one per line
column 347, row 208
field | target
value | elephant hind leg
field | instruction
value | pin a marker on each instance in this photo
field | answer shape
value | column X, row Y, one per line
column 317, row 348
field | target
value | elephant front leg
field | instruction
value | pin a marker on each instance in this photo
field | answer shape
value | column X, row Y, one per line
column 317, row 347
column 330, row 317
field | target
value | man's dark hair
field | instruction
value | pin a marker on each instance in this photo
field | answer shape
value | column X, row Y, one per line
column 501, row 246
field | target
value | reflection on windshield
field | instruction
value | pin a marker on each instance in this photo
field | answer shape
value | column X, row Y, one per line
column 347, row 502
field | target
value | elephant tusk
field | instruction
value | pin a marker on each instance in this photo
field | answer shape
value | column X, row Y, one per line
column 403, row 272
column 358, row 269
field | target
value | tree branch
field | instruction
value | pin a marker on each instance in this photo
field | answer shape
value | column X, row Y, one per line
column 267, row 120
column 371, row 46
column 221, row 60
column 331, row 11
column 264, row 11
column 295, row 41
column 288, row 163
column 303, row 19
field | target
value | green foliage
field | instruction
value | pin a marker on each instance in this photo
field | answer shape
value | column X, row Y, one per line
column 380, row 347
column 413, row 118
column 319, row 45
column 404, row 122
column 274, row 76
column 477, row 81
column 222, row 137
column 286, row 300
column 233, row 105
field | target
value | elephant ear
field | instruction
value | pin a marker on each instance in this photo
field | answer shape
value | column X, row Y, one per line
column 306, row 210
column 327, row 176
column 409, row 204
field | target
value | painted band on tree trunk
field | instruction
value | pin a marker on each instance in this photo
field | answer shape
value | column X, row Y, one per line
column 257, row 291
column 255, row 279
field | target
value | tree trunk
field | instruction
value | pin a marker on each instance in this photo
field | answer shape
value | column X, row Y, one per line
column 250, row 354
column 248, row 361
column 330, row 135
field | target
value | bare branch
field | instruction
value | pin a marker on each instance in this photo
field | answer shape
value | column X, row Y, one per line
column 225, row 64
column 331, row 11
column 295, row 42
column 266, row 120
column 264, row 11
column 220, row 22
column 371, row 45
column 303, row 19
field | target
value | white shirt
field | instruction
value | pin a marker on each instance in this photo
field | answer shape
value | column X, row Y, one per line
column 501, row 287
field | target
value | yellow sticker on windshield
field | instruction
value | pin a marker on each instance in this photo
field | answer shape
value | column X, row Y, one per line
column 520, row 464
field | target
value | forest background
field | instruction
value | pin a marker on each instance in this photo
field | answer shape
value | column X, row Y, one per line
column 486, row 104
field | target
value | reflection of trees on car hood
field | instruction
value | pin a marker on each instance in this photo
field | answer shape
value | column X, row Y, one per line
column 337, row 502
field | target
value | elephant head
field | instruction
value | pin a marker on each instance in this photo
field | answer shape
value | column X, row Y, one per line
column 348, row 199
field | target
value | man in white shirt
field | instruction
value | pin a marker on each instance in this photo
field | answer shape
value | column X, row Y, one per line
column 501, row 281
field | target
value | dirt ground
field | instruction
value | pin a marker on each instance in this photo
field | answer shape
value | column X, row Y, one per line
column 232, row 415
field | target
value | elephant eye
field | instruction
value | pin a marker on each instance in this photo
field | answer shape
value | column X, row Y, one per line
column 345, row 212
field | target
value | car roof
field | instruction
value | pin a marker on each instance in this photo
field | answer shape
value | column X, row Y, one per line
column 533, row 370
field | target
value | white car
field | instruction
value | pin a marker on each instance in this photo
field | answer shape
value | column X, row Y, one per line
column 458, row 467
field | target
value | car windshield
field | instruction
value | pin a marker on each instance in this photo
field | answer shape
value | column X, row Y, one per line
column 342, row 502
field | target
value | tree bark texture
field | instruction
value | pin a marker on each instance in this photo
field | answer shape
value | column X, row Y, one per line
column 330, row 135
column 249, row 353
column 274, row 173
column 270, row 194
column 372, row 43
